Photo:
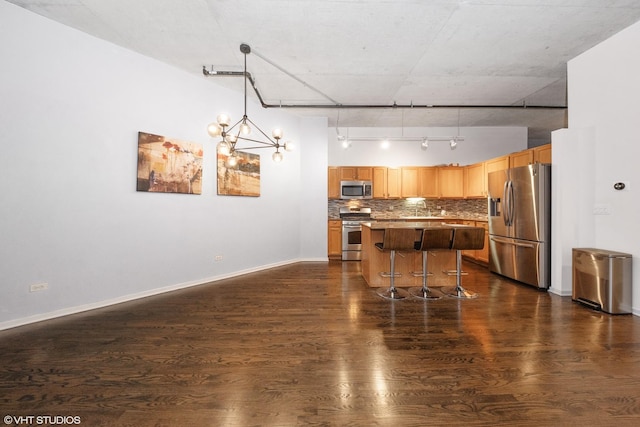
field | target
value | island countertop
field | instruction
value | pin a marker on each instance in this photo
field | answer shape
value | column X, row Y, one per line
column 383, row 225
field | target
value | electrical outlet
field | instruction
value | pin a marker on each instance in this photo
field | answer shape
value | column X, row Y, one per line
column 218, row 258
column 36, row 287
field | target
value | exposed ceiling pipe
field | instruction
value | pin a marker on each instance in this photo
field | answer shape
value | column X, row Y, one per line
column 214, row 73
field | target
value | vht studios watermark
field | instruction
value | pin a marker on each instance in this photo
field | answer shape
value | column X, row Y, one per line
column 42, row 420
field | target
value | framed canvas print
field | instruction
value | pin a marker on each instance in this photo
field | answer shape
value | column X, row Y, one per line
column 243, row 179
column 167, row 165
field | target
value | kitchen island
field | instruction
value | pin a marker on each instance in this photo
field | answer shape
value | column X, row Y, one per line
column 374, row 261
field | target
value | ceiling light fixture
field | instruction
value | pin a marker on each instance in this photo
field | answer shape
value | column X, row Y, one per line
column 425, row 141
column 232, row 135
column 345, row 142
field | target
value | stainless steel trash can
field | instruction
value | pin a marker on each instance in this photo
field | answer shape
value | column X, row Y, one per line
column 602, row 279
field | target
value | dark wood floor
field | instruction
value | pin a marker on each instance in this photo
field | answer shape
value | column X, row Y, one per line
column 312, row 344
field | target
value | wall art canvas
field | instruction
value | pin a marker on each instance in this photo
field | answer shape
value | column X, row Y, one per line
column 243, row 179
column 167, row 165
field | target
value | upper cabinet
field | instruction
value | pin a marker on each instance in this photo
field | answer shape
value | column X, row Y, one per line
column 428, row 182
column 475, row 181
column 394, row 183
column 497, row 164
column 450, row 181
column 386, row 182
column 334, row 182
column 542, row 154
column 521, row 158
column 409, row 182
column 352, row 173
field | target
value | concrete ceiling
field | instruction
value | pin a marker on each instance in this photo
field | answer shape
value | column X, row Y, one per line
column 371, row 52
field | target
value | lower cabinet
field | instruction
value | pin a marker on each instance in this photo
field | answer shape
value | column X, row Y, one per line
column 335, row 239
column 482, row 255
column 479, row 255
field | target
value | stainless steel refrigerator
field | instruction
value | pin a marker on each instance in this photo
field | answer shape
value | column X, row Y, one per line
column 520, row 224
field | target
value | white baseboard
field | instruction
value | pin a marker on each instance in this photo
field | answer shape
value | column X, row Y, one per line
column 560, row 292
column 131, row 297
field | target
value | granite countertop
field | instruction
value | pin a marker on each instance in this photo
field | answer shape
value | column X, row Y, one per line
column 382, row 225
column 429, row 218
column 423, row 218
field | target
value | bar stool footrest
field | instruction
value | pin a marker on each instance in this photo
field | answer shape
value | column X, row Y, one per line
column 455, row 273
column 420, row 274
column 388, row 274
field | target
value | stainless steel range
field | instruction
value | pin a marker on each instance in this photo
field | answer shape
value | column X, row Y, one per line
column 352, row 219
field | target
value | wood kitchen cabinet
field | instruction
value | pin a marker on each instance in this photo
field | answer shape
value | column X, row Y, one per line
column 428, row 182
column 409, row 182
column 479, row 255
column 521, row 158
column 333, row 175
column 475, row 181
column 469, row 253
column 542, row 154
column 497, row 164
column 482, row 255
column 356, row 173
column 335, row 239
column 450, row 182
column 386, row 183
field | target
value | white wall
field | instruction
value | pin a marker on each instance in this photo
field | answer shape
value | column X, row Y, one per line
column 480, row 143
column 70, row 214
column 313, row 194
column 604, row 86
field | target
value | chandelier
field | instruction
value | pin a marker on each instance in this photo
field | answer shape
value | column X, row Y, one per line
column 244, row 130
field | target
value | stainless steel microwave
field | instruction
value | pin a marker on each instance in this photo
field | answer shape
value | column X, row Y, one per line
column 356, row 190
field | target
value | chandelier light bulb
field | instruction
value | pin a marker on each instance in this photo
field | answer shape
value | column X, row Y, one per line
column 214, row 130
column 245, row 129
column 223, row 148
column 277, row 133
column 289, row 146
column 223, row 120
column 277, row 157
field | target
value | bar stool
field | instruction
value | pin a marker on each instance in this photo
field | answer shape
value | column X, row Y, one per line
column 395, row 239
column 464, row 238
column 432, row 238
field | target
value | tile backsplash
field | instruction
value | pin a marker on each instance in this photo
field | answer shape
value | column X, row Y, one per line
column 394, row 208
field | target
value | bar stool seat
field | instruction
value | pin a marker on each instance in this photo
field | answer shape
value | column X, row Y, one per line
column 464, row 238
column 395, row 240
column 432, row 239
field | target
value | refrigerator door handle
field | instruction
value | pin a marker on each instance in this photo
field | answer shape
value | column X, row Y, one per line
column 508, row 242
column 505, row 209
column 511, row 203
